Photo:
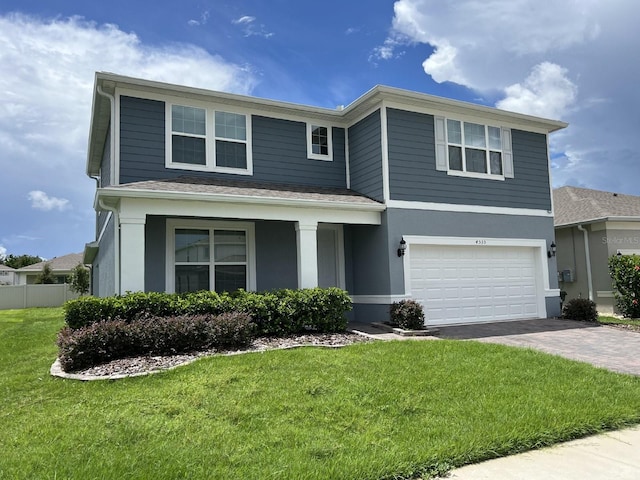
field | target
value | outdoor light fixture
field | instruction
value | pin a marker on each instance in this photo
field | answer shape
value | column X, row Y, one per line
column 552, row 250
column 402, row 248
column 619, row 254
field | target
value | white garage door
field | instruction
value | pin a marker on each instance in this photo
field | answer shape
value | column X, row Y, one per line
column 468, row 284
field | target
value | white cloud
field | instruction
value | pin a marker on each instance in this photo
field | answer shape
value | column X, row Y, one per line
column 204, row 18
column 41, row 201
column 569, row 60
column 3, row 253
column 386, row 51
column 546, row 92
column 252, row 29
column 246, row 19
column 48, row 68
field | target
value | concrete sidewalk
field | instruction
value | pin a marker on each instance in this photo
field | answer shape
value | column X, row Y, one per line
column 608, row 456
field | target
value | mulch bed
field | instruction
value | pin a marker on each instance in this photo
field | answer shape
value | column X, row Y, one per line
column 147, row 364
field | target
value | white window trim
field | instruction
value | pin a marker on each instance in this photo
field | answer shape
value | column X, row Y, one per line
column 210, row 139
column 463, row 146
column 170, row 256
column 442, row 149
column 317, row 156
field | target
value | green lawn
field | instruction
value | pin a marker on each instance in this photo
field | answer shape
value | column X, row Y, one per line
column 368, row 411
column 607, row 320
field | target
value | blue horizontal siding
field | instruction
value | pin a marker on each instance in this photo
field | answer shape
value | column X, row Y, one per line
column 365, row 156
column 279, row 150
column 413, row 175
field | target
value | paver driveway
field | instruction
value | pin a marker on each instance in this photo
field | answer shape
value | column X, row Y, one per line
column 607, row 347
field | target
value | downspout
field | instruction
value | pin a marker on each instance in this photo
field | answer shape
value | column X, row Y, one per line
column 112, row 135
column 587, row 255
column 113, row 210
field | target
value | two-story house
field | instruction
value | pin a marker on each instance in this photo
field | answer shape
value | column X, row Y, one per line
column 398, row 195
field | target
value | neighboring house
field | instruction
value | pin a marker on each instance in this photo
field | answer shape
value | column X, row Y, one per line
column 7, row 275
column 591, row 226
column 60, row 266
column 198, row 189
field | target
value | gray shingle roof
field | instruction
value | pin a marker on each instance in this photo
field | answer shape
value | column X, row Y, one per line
column 210, row 186
column 7, row 268
column 64, row 263
column 581, row 205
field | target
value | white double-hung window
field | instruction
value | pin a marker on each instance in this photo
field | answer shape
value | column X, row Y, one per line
column 473, row 149
column 217, row 256
column 206, row 139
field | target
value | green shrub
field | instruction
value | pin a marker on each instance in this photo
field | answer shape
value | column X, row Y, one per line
column 581, row 309
column 625, row 276
column 109, row 340
column 279, row 312
column 407, row 314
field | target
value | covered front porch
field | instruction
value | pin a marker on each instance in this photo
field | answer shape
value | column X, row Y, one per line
column 220, row 236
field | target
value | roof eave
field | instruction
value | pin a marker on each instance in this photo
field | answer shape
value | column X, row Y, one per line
column 600, row 220
column 117, row 193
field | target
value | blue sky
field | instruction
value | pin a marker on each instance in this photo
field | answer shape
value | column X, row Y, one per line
column 574, row 60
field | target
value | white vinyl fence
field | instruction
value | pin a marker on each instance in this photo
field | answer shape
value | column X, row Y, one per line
column 26, row 296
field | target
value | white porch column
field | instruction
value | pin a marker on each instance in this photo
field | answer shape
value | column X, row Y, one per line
column 307, row 240
column 132, row 254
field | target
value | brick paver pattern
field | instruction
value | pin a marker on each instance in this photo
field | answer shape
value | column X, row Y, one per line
column 602, row 346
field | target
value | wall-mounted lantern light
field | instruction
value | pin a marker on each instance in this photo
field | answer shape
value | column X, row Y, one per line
column 402, row 248
column 552, row 250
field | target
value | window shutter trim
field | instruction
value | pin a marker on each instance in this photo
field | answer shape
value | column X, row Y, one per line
column 507, row 153
column 441, row 145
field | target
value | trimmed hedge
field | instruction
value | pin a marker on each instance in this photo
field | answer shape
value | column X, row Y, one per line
column 109, row 340
column 278, row 312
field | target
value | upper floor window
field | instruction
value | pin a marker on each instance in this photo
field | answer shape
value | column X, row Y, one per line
column 319, row 142
column 473, row 149
column 209, row 140
column 188, row 135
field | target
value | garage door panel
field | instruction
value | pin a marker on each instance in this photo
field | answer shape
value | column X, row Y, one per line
column 465, row 284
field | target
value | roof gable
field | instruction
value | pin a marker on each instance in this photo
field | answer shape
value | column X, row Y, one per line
column 63, row 263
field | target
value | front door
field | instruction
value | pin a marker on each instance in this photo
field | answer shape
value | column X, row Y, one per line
column 330, row 256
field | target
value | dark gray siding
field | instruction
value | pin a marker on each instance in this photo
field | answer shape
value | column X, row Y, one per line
column 369, row 259
column 365, row 156
column 276, row 257
column 279, row 150
column 105, row 164
column 142, row 140
column 155, row 247
column 280, row 155
column 413, row 175
column 460, row 224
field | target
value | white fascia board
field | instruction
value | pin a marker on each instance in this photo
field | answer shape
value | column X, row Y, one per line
column 376, row 95
column 411, row 100
column 453, row 207
column 240, row 199
column 161, row 88
column 210, row 207
column 599, row 220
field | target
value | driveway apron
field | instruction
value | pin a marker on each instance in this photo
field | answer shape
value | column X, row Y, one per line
column 607, row 347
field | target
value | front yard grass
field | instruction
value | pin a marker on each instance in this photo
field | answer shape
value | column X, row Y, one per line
column 368, row 411
column 610, row 320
